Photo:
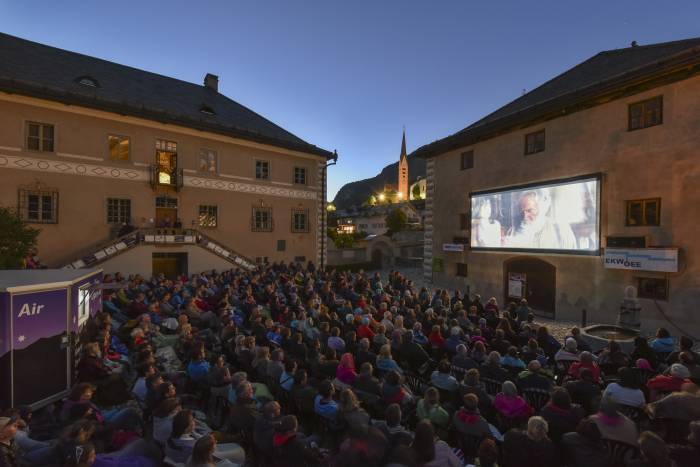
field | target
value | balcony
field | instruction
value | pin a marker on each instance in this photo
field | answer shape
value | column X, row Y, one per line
column 161, row 175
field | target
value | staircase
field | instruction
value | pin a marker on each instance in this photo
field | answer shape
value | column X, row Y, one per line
column 114, row 247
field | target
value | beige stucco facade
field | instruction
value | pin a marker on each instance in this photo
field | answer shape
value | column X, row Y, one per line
column 80, row 171
column 657, row 162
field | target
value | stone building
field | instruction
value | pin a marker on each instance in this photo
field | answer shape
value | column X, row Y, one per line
column 87, row 146
column 618, row 136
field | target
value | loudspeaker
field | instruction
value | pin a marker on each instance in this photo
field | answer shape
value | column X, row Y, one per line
column 626, row 242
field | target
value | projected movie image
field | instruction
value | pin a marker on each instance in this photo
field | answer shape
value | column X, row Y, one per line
column 558, row 216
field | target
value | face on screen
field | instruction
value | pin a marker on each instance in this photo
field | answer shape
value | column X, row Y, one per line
column 560, row 216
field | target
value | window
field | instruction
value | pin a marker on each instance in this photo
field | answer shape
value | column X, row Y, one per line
column 38, row 206
column 642, row 212
column 646, row 113
column 88, row 81
column 467, row 160
column 208, row 161
column 653, row 288
column 208, row 216
column 118, row 147
column 300, row 175
column 118, row 211
column 464, row 221
column 166, row 160
column 534, row 142
column 461, row 269
column 262, row 170
column 281, row 245
column 39, row 137
column 262, row 219
column 166, row 202
column 206, row 110
column 300, row 220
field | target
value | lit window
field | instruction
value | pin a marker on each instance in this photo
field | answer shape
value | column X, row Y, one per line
column 208, row 216
column 118, row 147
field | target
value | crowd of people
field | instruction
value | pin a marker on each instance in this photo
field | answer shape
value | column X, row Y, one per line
column 288, row 365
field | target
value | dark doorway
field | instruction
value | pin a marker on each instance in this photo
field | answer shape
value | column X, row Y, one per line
column 377, row 258
column 170, row 265
column 538, row 284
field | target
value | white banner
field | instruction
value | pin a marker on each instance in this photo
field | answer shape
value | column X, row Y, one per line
column 642, row 259
column 452, row 247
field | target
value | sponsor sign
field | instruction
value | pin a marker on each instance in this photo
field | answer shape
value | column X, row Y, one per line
column 452, row 247
column 642, row 259
column 38, row 315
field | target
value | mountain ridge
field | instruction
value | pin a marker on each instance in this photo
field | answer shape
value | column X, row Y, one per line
column 357, row 192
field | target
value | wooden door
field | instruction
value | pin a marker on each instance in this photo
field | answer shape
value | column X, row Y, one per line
column 170, row 265
column 166, row 217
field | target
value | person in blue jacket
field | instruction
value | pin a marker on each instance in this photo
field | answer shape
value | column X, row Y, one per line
column 663, row 342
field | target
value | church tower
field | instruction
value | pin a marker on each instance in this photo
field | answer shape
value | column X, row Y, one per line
column 403, row 194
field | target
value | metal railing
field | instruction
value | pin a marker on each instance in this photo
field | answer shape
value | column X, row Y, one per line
column 166, row 236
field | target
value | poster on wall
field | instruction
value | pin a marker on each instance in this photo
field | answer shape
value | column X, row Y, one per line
column 560, row 216
column 516, row 284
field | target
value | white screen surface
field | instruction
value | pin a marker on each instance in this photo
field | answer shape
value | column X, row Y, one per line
column 552, row 216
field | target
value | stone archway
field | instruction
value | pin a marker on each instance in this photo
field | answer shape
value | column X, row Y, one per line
column 381, row 255
column 539, row 283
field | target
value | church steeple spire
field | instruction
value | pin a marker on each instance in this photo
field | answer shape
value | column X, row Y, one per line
column 402, row 184
column 403, row 145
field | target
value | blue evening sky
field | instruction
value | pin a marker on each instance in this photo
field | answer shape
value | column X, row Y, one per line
column 347, row 75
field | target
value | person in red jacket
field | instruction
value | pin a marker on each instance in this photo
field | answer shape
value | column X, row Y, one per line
column 586, row 362
column 435, row 338
column 662, row 384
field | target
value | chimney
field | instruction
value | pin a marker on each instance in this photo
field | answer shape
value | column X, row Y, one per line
column 211, row 82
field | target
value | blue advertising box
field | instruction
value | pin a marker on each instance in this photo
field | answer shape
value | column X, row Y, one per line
column 41, row 314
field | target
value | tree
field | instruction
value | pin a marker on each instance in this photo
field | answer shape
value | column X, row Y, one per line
column 395, row 221
column 416, row 191
column 17, row 239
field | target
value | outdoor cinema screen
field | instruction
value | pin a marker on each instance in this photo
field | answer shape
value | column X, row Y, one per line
column 561, row 216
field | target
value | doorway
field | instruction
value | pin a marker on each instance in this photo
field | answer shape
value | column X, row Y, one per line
column 166, row 212
column 171, row 265
column 534, row 280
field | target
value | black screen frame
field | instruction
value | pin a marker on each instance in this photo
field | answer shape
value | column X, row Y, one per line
column 598, row 177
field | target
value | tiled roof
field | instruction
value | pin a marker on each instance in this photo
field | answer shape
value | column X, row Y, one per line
column 38, row 70
column 606, row 68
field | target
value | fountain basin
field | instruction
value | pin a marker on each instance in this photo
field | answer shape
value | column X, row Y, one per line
column 599, row 335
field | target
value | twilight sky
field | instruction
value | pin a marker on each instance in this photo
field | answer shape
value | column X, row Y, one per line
column 347, row 75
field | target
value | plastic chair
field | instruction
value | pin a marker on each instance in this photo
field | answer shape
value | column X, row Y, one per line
column 536, row 397
column 619, row 452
